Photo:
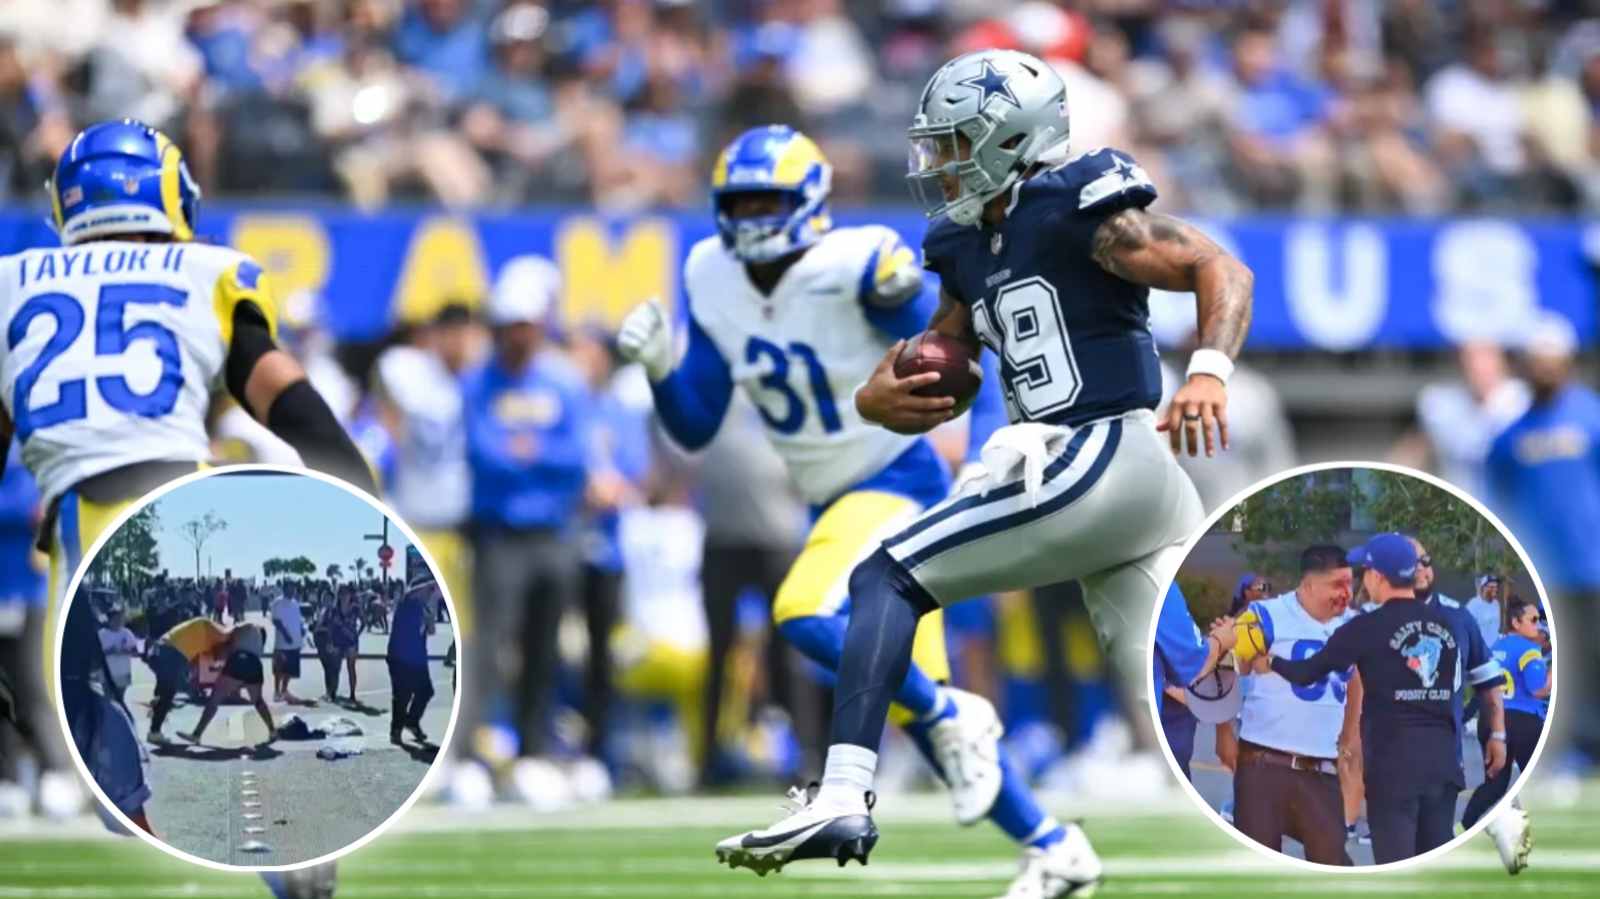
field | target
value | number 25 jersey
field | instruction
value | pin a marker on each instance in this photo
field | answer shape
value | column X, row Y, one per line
column 1073, row 339
column 112, row 349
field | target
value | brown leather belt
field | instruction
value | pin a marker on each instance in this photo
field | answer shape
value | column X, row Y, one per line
column 1249, row 753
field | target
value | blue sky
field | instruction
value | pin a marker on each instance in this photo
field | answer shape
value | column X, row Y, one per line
column 271, row 515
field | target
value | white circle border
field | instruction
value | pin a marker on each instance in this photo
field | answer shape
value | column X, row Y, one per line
column 150, row 498
column 1517, row 783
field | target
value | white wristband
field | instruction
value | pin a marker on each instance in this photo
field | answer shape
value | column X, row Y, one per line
column 1210, row 362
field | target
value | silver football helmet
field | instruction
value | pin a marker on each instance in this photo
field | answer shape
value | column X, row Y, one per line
column 983, row 120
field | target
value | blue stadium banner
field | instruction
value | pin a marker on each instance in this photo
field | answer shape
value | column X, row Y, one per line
column 1321, row 284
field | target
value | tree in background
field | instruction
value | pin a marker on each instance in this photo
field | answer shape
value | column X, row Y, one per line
column 1458, row 538
column 198, row 530
column 1277, row 523
column 333, row 571
column 360, row 564
column 130, row 558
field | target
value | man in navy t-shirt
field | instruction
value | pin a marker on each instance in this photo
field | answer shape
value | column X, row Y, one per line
column 1409, row 659
column 410, row 680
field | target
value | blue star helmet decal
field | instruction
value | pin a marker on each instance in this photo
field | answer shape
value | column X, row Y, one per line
column 991, row 83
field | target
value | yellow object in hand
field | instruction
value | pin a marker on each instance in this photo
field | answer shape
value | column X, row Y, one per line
column 1251, row 638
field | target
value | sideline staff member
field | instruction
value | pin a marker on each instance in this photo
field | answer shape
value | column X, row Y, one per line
column 1286, row 778
column 1410, row 666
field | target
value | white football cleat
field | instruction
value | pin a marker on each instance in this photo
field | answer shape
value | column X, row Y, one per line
column 810, row 831
column 1068, row 868
column 62, row 795
column 967, row 745
column 470, row 785
column 1512, row 833
column 14, row 801
column 315, row 882
column 541, row 784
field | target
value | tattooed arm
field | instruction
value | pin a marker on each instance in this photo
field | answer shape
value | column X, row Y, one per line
column 1160, row 251
column 887, row 400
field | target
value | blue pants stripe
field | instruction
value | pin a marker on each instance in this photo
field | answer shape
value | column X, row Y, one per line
column 1005, row 492
column 71, row 544
column 1018, row 519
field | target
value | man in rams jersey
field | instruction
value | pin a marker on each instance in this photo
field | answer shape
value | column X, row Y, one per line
column 115, row 341
column 797, row 313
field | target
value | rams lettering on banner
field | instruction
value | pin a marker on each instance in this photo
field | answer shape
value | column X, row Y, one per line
column 604, row 279
column 1330, row 284
column 444, row 264
column 293, row 249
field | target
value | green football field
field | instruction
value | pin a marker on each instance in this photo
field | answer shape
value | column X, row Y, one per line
column 662, row 848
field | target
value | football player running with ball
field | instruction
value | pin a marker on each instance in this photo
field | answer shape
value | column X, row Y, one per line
column 797, row 313
column 114, row 343
column 1048, row 266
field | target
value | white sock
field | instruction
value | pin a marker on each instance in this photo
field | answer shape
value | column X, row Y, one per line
column 847, row 776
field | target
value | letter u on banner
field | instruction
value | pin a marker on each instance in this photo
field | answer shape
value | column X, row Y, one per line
column 1336, row 307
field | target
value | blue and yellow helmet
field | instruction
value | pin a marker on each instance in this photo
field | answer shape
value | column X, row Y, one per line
column 122, row 177
column 780, row 160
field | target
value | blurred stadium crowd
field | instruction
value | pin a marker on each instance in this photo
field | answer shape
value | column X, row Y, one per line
column 1380, row 106
column 636, row 647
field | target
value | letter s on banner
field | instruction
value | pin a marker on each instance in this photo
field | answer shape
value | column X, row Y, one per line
column 1485, row 272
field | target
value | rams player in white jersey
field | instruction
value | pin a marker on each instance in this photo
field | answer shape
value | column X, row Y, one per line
column 796, row 313
column 114, row 344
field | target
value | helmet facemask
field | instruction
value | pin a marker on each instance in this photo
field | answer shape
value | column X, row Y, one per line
column 976, row 136
column 941, row 162
column 770, row 236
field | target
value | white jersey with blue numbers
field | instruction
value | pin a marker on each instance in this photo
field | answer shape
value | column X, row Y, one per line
column 1073, row 339
column 112, row 350
column 800, row 352
column 1279, row 715
column 431, row 485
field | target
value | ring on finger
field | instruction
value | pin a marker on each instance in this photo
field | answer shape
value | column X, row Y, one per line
column 1191, row 417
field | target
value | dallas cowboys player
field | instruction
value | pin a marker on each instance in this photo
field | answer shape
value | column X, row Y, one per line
column 1049, row 267
column 797, row 312
column 114, row 343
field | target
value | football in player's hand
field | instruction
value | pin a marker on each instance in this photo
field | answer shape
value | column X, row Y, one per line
column 960, row 375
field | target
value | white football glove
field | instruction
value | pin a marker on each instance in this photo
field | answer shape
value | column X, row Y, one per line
column 971, row 473
column 646, row 338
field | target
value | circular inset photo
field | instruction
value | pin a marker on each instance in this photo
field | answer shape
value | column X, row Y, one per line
column 1354, row 667
column 257, row 668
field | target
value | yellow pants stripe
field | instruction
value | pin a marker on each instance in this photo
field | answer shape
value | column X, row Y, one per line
column 819, row 581
column 453, row 556
column 79, row 523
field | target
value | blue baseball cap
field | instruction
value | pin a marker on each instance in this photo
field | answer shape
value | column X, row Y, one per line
column 1392, row 555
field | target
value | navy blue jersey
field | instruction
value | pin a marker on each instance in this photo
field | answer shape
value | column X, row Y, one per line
column 1073, row 339
column 1477, row 663
column 1409, row 659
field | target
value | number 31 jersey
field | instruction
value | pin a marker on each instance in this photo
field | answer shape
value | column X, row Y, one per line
column 800, row 352
column 112, row 350
column 1073, row 339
